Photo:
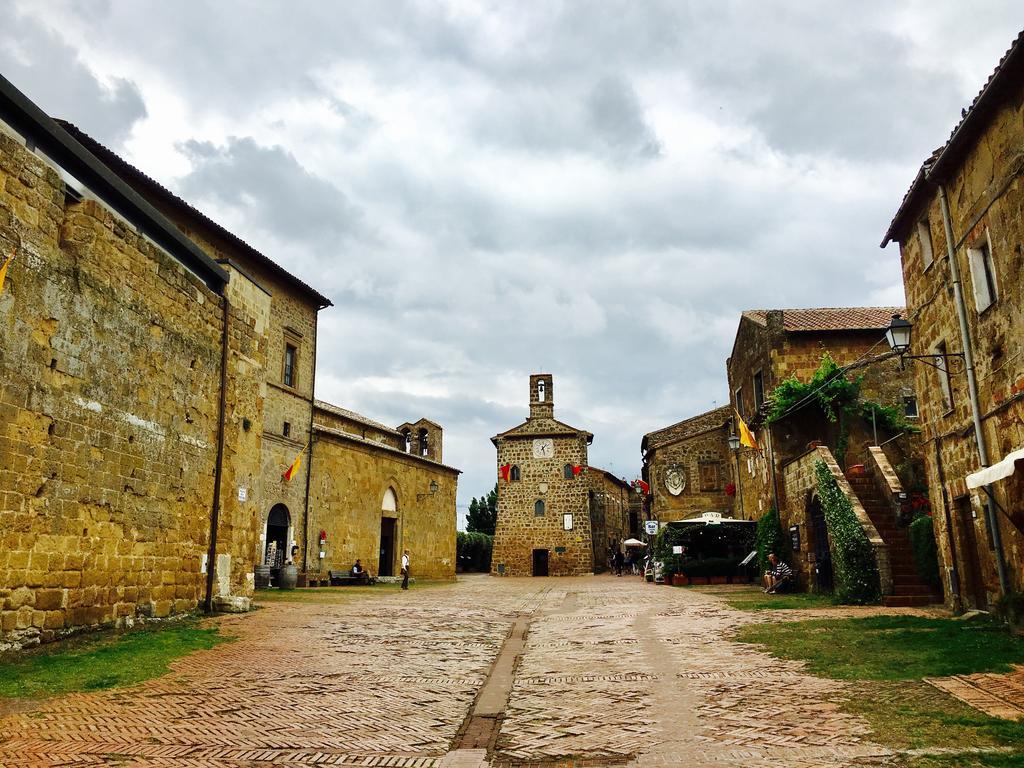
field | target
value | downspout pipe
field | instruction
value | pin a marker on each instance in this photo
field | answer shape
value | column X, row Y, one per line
column 218, row 472
column 954, row 573
column 972, row 387
column 309, row 463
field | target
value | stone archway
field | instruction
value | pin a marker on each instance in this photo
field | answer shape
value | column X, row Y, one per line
column 388, row 533
column 276, row 538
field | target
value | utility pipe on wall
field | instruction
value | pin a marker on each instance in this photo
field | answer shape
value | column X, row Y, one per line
column 211, row 557
column 972, row 387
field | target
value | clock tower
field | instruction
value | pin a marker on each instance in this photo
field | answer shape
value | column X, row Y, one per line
column 543, row 526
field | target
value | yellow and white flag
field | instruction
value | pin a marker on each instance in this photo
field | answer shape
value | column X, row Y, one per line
column 3, row 272
column 746, row 438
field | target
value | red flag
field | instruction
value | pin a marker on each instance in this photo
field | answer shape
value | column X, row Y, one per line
column 642, row 486
column 294, row 468
column 576, row 470
column 505, row 469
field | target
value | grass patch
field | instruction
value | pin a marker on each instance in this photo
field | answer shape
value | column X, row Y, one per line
column 967, row 760
column 98, row 661
column 759, row 601
column 914, row 715
column 890, row 647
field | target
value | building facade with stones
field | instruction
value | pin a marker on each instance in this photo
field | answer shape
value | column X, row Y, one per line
column 120, row 338
column 689, row 467
column 128, row 319
column 280, row 507
column 772, row 346
column 979, row 171
column 613, row 513
column 543, row 525
column 374, row 494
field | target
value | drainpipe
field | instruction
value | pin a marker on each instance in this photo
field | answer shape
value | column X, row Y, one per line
column 309, row 464
column 211, row 557
column 954, row 576
column 972, row 388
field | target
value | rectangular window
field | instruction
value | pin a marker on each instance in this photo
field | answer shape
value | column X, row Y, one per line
column 924, row 234
column 758, row 390
column 287, row 430
column 739, row 403
column 709, row 476
column 943, row 373
column 290, row 355
column 983, row 276
column 910, row 406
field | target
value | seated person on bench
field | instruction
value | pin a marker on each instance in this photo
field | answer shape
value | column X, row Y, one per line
column 778, row 574
column 360, row 573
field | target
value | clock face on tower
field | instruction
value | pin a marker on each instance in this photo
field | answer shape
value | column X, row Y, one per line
column 543, row 448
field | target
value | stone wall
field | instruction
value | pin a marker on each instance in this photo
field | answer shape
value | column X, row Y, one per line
column 351, row 476
column 800, row 483
column 109, row 388
column 698, row 449
column 609, row 499
column 986, row 197
column 520, row 531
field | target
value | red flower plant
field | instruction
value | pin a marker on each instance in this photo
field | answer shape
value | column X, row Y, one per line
column 730, row 489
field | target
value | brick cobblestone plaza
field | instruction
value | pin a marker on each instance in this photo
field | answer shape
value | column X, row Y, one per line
column 583, row 671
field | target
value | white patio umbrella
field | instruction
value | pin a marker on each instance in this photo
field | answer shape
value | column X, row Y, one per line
column 633, row 543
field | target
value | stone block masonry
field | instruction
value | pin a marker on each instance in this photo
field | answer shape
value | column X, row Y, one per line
column 109, row 388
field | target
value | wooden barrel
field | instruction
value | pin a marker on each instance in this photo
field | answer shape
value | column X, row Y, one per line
column 262, row 575
column 288, row 576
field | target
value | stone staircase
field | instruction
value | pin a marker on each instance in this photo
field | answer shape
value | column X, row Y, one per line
column 908, row 588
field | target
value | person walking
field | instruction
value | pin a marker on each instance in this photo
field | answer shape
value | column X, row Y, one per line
column 618, row 562
column 405, row 569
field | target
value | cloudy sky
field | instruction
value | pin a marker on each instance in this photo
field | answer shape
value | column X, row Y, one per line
column 485, row 190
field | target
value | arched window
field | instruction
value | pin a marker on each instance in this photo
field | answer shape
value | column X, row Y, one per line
column 424, row 448
column 538, row 508
column 390, row 501
column 408, row 440
column 514, row 474
column 567, row 472
column 542, row 394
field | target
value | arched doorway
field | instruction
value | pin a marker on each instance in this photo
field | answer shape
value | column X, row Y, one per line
column 275, row 548
column 821, row 572
column 388, row 532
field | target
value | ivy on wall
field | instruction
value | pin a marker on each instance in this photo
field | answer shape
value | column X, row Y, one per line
column 839, row 399
column 853, row 557
column 771, row 538
column 926, row 551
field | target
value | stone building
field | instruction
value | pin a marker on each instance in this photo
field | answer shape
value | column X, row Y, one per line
column 961, row 236
column 689, row 467
column 774, row 345
column 156, row 383
column 280, row 506
column 120, row 339
column 375, row 493
column 614, row 513
column 543, row 525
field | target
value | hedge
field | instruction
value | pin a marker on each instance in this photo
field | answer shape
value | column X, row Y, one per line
column 853, row 557
column 771, row 538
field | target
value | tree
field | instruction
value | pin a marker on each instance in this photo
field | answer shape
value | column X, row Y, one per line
column 483, row 513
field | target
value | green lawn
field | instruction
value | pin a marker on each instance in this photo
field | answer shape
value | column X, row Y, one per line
column 758, row 601
column 886, row 657
column 102, row 660
column 890, row 647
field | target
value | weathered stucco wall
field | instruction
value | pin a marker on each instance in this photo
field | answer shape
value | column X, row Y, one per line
column 109, row 387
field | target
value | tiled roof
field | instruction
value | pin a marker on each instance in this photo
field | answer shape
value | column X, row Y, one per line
column 353, row 416
column 971, row 121
column 125, row 169
column 828, row 318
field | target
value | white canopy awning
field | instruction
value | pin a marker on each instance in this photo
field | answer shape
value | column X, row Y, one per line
column 999, row 470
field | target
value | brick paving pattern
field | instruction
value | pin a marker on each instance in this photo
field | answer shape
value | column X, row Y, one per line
column 612, row 672
column 994, row 694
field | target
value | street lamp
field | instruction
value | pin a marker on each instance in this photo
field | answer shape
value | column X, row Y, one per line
column 734, row 446
column 898, row 335
column 434, row 487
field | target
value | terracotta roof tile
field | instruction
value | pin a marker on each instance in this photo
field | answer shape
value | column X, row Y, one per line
column 828, row 318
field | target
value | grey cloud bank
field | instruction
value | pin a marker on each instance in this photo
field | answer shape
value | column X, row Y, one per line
column 594, row 190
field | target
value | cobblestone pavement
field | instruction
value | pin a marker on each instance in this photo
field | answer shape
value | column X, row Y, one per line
column 613, row 672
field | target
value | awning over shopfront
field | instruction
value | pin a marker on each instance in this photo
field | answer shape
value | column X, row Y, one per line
column 712, row 518
column 1001, row 469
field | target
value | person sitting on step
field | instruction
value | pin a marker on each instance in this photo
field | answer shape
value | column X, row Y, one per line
column 778, row 574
